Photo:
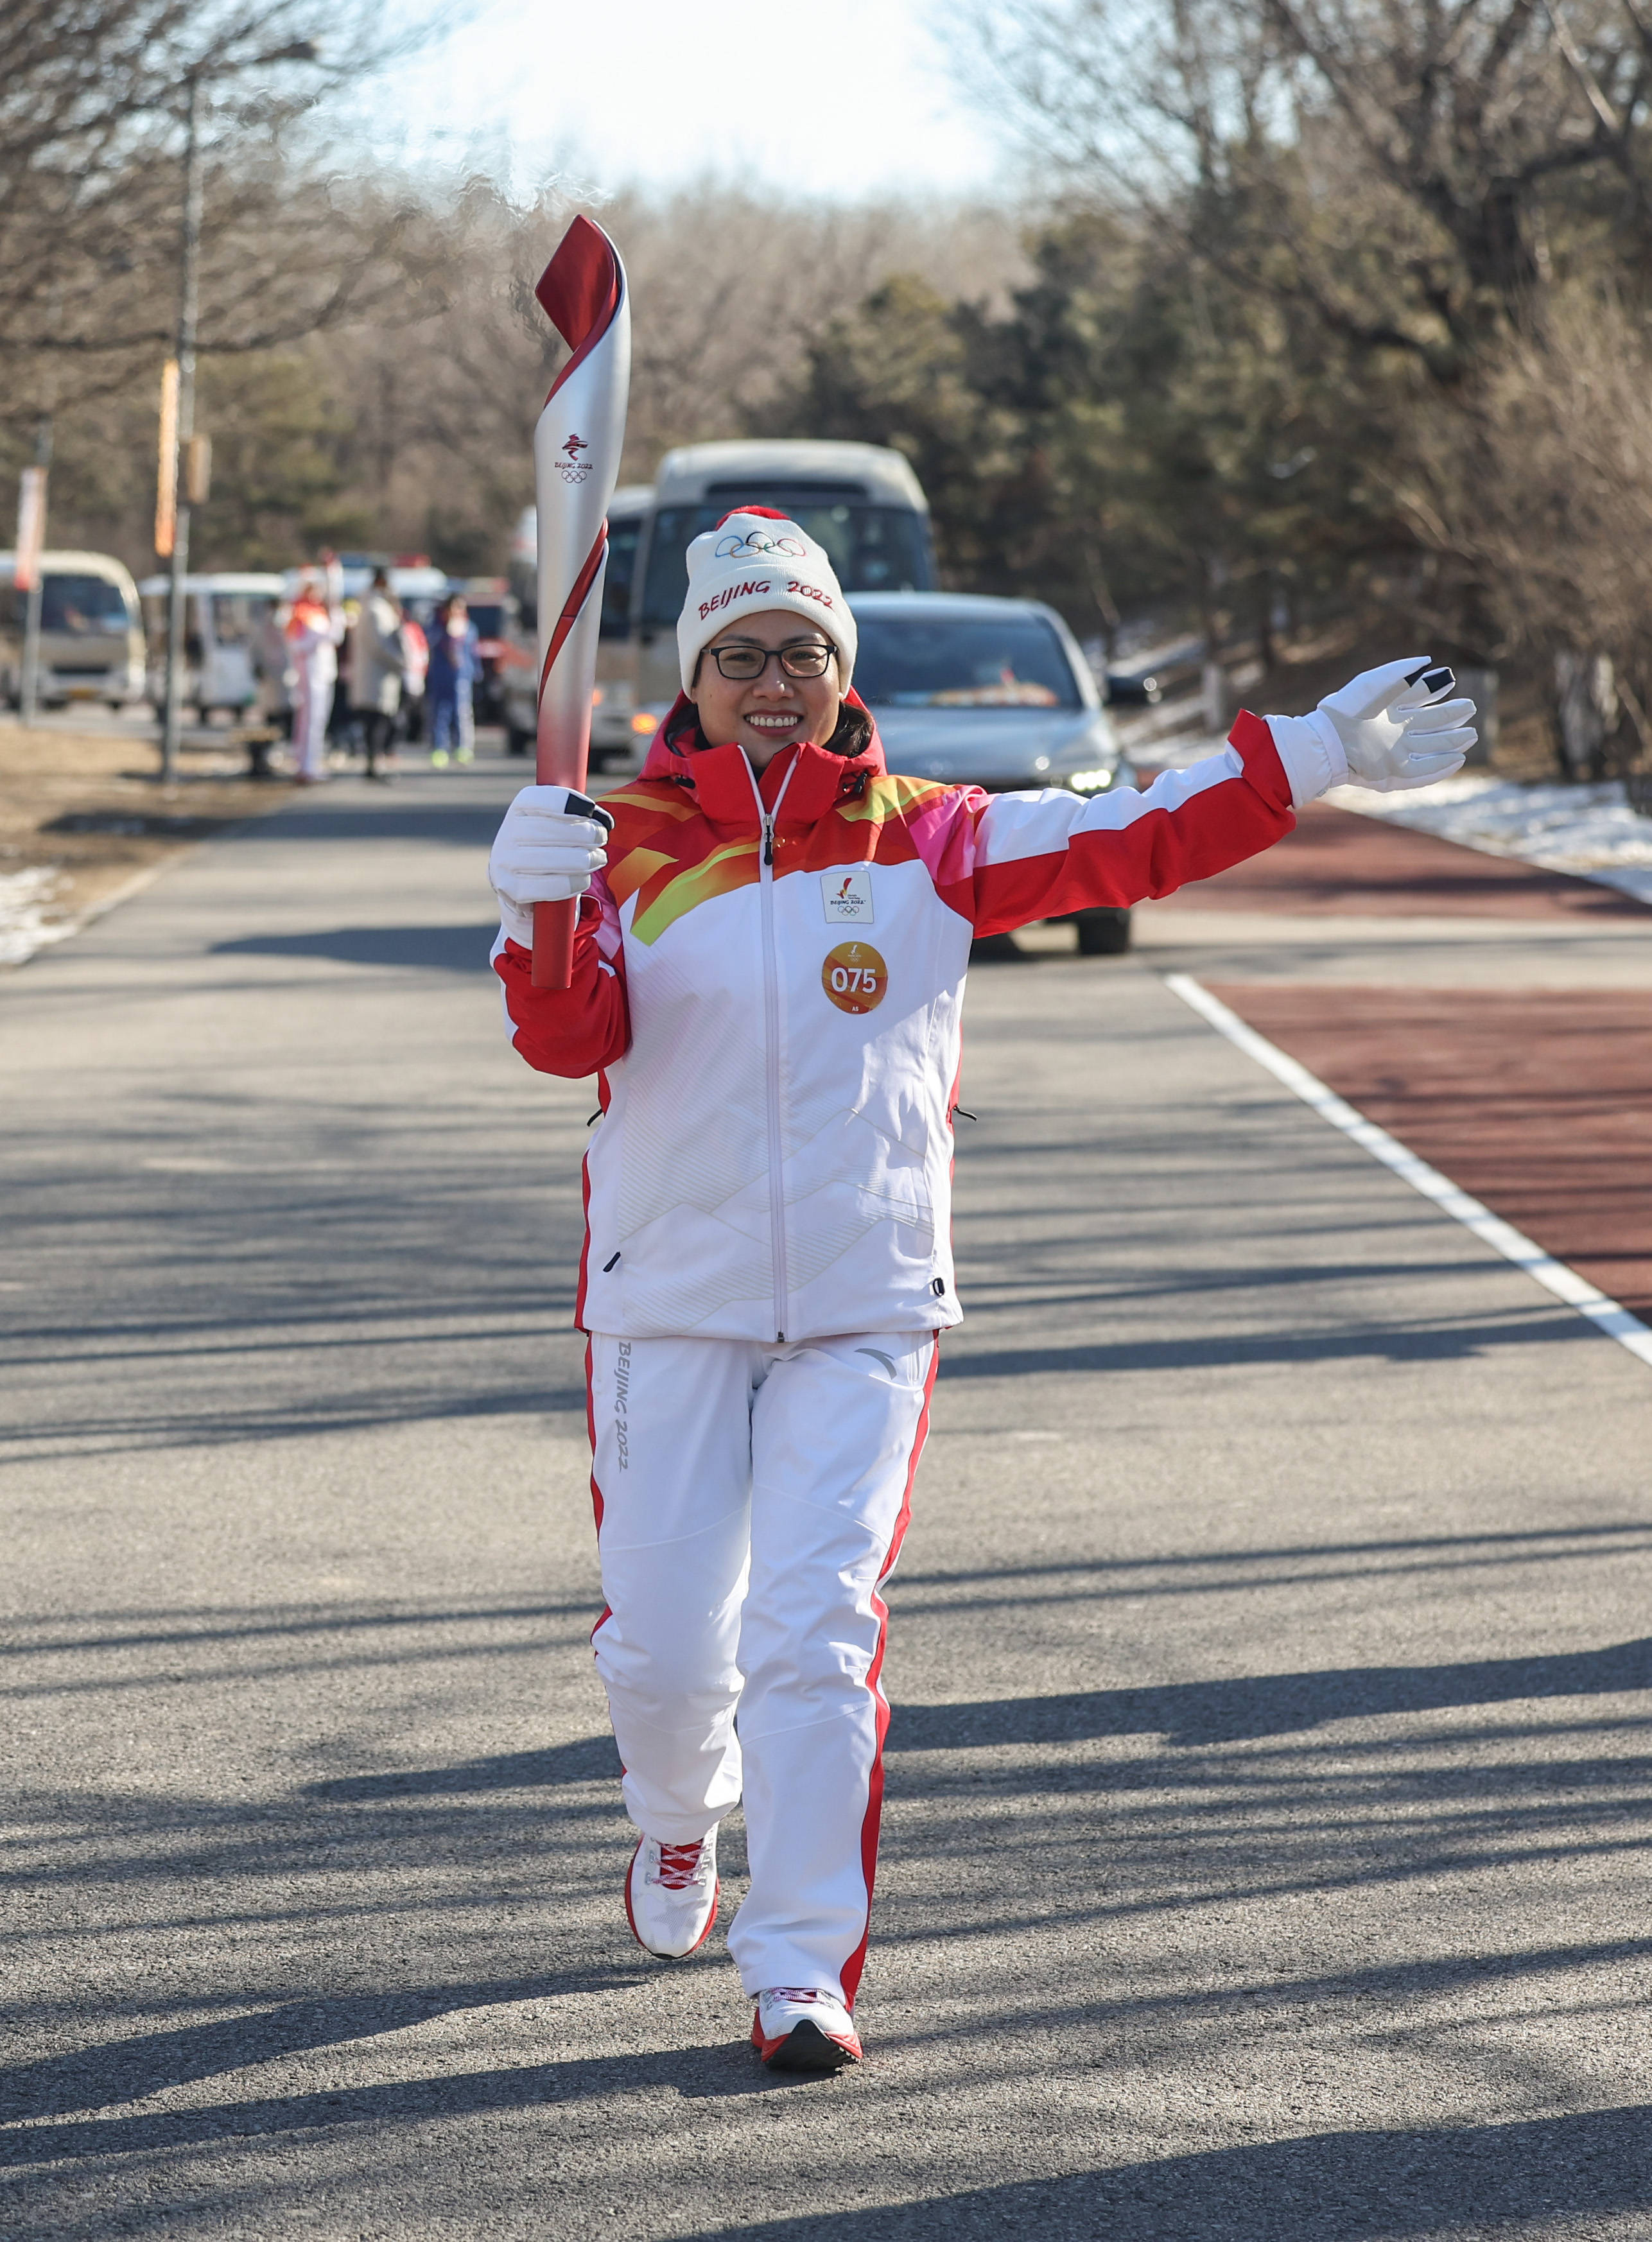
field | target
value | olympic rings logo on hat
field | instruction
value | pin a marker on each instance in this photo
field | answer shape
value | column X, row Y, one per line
column 748, row 547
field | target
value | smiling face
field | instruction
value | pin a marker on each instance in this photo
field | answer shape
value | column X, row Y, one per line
column 763, row 714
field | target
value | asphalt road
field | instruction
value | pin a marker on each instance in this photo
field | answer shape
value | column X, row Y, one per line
column 1266, row 1844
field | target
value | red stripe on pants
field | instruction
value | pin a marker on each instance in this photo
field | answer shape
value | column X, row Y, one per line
column 873, row 1823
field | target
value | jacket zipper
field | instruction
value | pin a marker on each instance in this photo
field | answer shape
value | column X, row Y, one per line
column 766, row 819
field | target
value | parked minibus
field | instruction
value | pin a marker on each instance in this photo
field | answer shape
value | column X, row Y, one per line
column 91, row 636
column 228, row 619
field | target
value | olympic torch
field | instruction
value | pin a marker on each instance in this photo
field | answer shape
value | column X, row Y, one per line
column 576, row 464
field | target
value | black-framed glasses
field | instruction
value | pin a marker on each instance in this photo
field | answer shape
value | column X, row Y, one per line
column 741, row 664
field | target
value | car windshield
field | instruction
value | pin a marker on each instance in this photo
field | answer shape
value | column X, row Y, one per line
column 923, row 662
column 82, row 607
column 872, row 548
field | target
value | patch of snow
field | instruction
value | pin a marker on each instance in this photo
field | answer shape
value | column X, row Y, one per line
column 1587, row 830
column 23, row 926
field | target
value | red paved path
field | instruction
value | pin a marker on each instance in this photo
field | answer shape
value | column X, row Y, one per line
column 1538, row 1103
column 1337, row 861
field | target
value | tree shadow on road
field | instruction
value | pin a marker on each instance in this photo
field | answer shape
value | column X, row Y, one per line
column 248, row 1906
column 1423, row 1339
column 411, row 949
column 707, row 2073
column 1193, row 1713
column 1323, row 2187
column 593, row 1759
column 93, row 2078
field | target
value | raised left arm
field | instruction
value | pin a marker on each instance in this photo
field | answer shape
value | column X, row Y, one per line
column 1040, row 855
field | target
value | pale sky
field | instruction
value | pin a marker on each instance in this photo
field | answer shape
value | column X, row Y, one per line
column 850, row 97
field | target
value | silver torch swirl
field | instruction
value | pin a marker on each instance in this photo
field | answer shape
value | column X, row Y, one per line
column 576, row 464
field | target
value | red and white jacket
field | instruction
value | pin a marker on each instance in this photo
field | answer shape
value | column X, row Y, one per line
column 768, row 983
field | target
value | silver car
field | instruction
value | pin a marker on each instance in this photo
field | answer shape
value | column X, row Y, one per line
column 989, row 693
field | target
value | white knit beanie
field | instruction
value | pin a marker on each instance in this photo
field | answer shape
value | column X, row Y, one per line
column 755, row 558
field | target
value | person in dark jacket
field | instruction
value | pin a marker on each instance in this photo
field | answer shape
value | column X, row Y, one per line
column 375, row 672
column 455, row 665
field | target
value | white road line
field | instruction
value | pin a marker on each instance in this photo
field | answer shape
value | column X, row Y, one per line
column 1554, row 1276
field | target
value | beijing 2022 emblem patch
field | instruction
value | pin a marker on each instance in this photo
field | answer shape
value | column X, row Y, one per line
column 846, row 895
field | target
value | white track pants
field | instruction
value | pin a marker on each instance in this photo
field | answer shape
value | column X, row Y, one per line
column 311, row 708
column 751, row 1501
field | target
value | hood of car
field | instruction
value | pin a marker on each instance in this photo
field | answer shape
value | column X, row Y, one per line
column 996, row 746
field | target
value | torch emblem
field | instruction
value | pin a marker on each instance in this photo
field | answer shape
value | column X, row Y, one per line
column 573, row 469
column 848, row 894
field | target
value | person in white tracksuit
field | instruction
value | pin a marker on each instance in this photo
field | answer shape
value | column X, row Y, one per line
column 314, row 634
column 767, row 982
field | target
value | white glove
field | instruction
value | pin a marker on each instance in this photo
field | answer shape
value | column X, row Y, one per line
column 546, row 852
column 1389, row 730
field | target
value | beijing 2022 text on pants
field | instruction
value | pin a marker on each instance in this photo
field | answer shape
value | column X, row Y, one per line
column 751, row 1501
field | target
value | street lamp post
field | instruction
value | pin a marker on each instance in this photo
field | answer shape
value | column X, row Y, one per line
column 188, row 315
column 298, row 50
column 28, row 683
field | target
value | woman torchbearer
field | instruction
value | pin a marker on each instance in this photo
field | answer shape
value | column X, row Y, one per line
column 767, row 979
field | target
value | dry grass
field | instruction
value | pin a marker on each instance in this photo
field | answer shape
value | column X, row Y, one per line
column 87, row 807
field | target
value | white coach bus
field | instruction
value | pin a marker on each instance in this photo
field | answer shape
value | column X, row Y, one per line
column 862, row 503
column 612, row 736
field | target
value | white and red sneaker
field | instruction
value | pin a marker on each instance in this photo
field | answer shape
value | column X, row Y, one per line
column 799, row 2028
column 671, row 1895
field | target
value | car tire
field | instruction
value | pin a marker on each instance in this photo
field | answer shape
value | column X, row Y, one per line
column 1102, row 933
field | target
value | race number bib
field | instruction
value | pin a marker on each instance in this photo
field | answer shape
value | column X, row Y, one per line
column 854, row 976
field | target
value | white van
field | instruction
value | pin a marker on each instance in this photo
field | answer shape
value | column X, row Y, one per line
column 92, row 635
column 862, row 503
column 228, row 619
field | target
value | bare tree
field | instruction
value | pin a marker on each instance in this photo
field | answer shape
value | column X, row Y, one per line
column 92, row 94
column 1543, row 492
column 1405, row 165
column 405, row 421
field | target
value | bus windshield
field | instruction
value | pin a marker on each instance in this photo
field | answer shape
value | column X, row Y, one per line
column 872, row 548
column 621, row 569
column 83, row 607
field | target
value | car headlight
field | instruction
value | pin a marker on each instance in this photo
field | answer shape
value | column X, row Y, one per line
column 1090, row 782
